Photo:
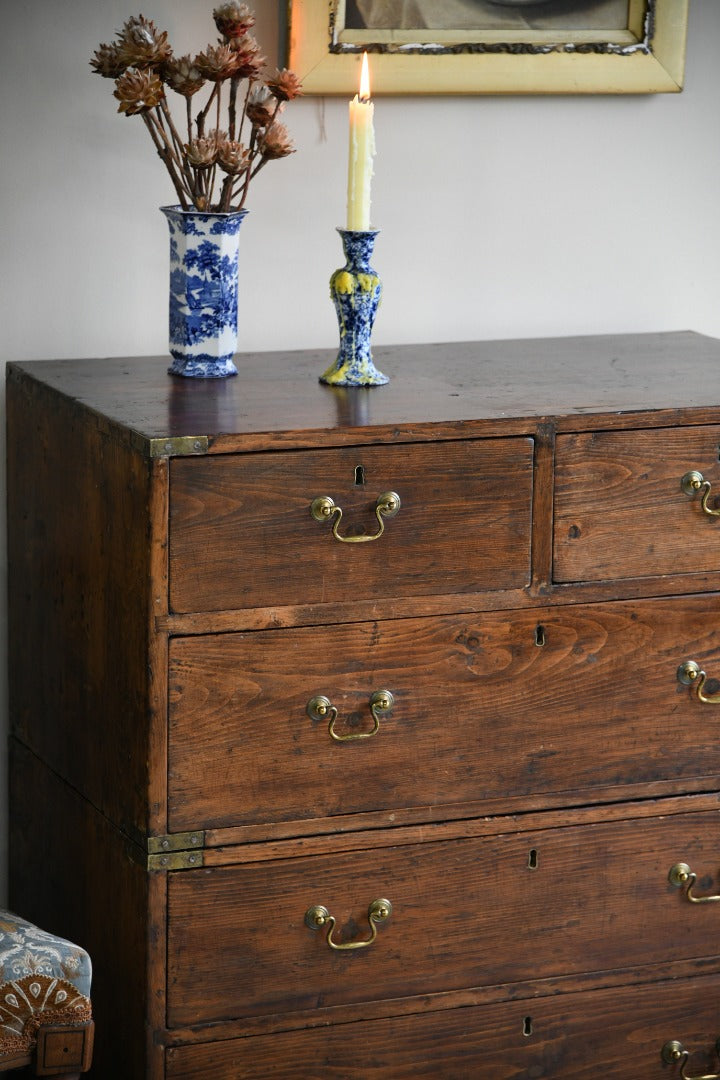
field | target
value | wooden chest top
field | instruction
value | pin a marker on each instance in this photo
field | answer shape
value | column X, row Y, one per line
column 436, row 391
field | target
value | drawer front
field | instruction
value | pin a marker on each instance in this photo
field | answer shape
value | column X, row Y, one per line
column 480, row 711
column 466, row 913
column 615, row 1034
column 242, row 535
column 620, row 511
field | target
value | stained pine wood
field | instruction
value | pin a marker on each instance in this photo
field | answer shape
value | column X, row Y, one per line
column 465, row 913
column 619, row 508
column 616, row 1034
column 436, row 391
column 240, row 526
column 241, row 846
column 482, row 711
column 80, row 551
column 173, row 607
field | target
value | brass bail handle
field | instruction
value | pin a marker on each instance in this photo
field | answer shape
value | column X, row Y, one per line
column 694, row 483
column 324, row 509
column 691, row 674
column 674, row 1053
column 318, row 917
column 321, row 708
column 682, row 877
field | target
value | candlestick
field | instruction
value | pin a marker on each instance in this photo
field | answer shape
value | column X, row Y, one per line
column 361, row 153
column 355, row 290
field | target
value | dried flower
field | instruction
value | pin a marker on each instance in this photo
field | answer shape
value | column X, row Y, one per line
column 261, row 107
column 137, row 91
column 217, row 63
column 233, row 19
column 108, row 62
column 250, row 62
column 211, row 172
column 202, row 152
column 142, row 45
column 233, row 158
column 183, row 76
column 285, row 85
column 276, row 142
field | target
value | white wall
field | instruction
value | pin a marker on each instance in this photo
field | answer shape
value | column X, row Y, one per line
column 500, row 217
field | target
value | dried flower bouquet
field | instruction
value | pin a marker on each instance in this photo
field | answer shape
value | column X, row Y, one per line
column 212, row 168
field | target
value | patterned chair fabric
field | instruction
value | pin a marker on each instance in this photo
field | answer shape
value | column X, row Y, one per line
column 44, row 982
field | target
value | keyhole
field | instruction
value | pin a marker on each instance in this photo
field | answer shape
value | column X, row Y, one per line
column 359, row 475
column 527, row 1026
column 539, row 636
column 533, row 859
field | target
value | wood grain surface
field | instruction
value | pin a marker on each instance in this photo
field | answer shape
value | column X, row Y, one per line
column 482, row 711
column 466, row 913
column 619, row 508
column 436, row 391
column 616, row 1034
column 241, row 532
column 173, row 607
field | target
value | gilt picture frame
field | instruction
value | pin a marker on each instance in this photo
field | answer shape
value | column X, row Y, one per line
column 645, row 54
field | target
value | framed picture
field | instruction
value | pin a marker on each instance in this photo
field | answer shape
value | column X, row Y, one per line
column 490, row 46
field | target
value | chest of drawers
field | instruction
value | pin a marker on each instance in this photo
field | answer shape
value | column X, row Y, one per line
column 371, row 734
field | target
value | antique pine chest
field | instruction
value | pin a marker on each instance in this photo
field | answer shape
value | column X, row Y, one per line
column 374, row 733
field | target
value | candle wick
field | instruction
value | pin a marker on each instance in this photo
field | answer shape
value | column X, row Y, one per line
column 364, row 100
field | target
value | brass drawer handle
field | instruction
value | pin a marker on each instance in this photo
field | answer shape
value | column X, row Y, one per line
column 320, row 707
column 691, row 674
column 692, row 484
column 682, row 877
column 318, row 917
column 674, row 1052
column 324, row 509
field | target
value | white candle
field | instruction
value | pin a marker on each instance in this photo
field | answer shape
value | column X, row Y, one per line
column 362, row 151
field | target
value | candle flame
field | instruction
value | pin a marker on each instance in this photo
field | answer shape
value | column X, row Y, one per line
column 364, row 79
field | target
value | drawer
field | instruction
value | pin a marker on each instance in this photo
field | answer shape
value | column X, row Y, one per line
column 468, row 912
column 480, row 711
column 620, row 511
column 616, row 1034
column 242, row 535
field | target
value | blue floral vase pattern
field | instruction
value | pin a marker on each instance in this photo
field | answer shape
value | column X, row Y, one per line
column 355, row 290
column 203, row 291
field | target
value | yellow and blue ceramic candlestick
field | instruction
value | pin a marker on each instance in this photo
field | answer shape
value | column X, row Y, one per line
column 355, row 290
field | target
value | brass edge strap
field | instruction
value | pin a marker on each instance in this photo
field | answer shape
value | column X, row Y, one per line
column 183, row 841
column 176, row 851
column 176, row 860
column 181, row 446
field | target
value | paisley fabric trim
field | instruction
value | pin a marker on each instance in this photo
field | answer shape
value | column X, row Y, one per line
column 29, row 1002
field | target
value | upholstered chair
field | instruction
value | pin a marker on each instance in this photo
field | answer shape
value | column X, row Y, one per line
column 45, row 1010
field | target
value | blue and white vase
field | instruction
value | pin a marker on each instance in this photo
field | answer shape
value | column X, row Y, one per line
column 203, row 291
column 355, row 290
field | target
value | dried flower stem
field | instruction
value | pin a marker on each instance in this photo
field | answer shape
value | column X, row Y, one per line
column 200, row 118
column 243, row 117
column 169, row 143
column 226, row 194
column 167, row 158
column 171, row 126
column 232, row 106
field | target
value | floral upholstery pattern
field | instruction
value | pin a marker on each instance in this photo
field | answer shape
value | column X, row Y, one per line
column 43, row 980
